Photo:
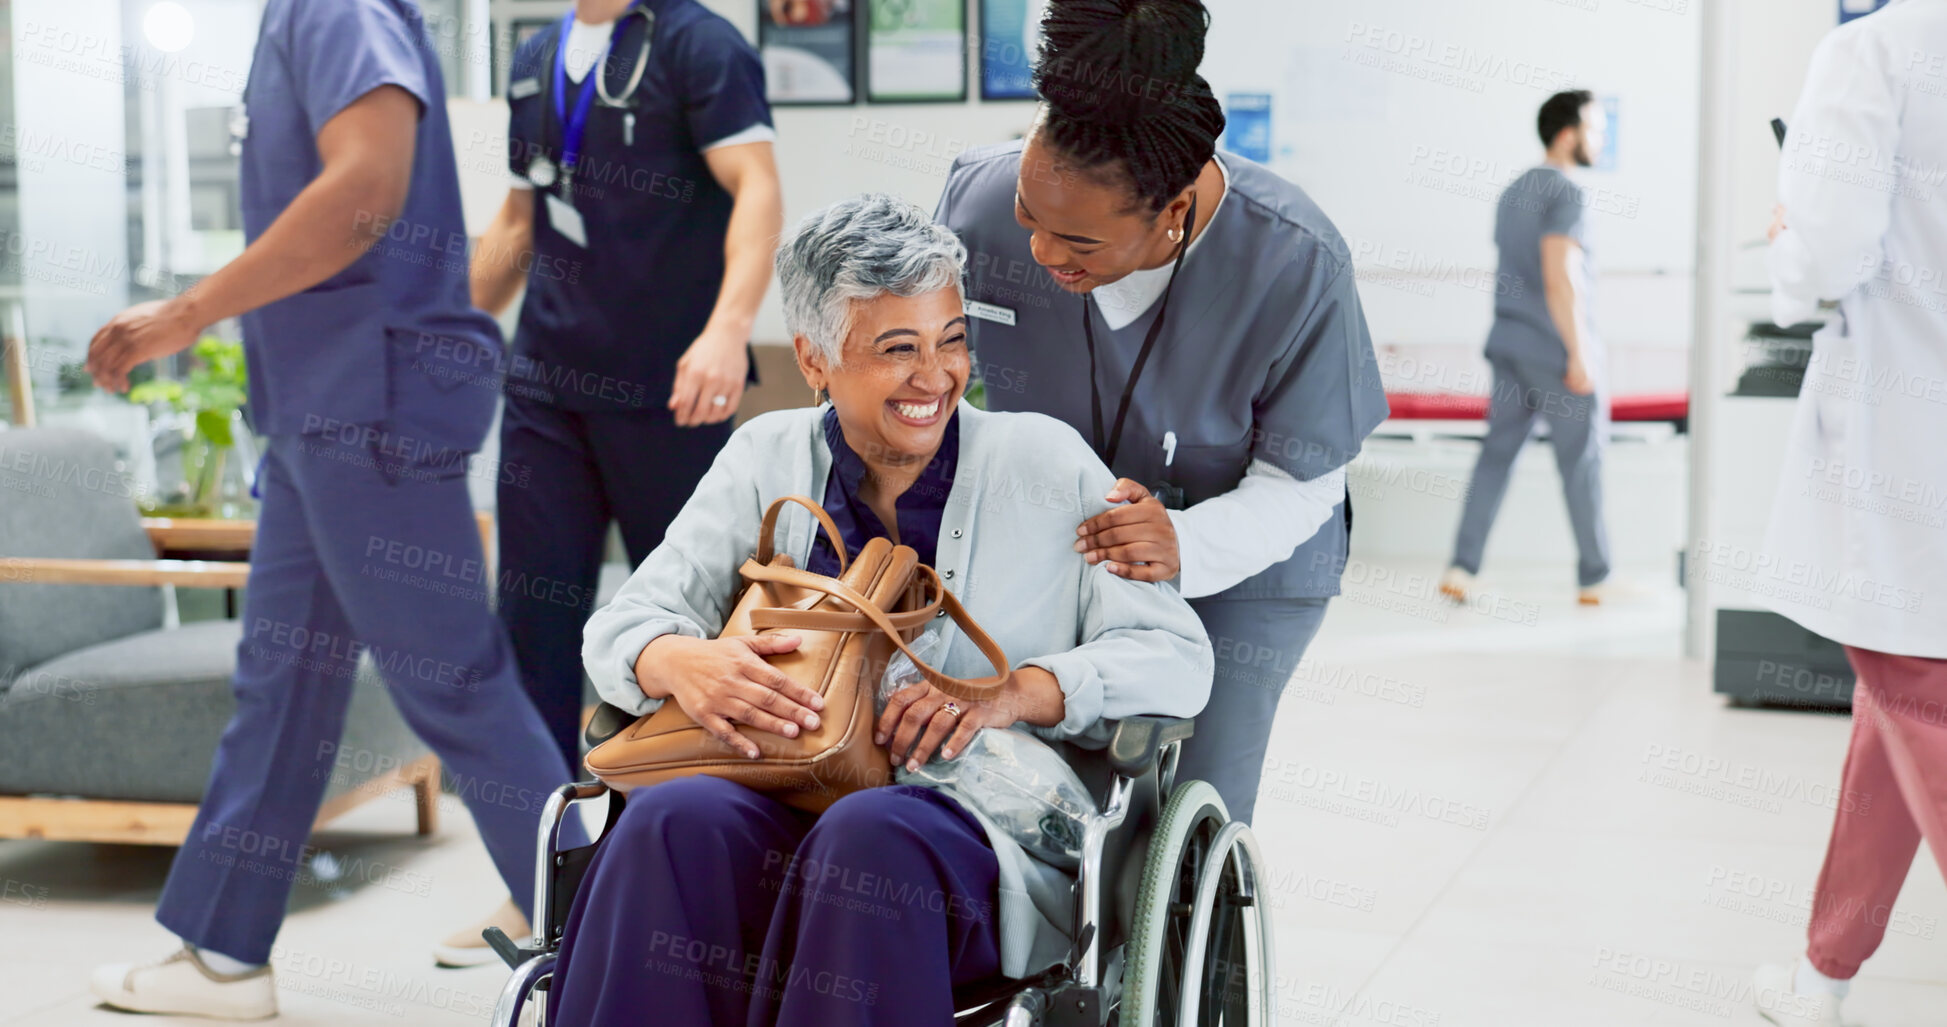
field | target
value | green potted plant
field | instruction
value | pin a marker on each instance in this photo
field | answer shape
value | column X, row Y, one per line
column 210, row 396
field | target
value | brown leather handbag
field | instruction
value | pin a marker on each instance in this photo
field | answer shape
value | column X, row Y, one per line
column 851, row 625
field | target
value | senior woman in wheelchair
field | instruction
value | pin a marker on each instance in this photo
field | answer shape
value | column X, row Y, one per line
column 710, row 903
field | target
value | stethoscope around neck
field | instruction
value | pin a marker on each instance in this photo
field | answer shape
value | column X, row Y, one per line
column 571, row 122
column 627, row 99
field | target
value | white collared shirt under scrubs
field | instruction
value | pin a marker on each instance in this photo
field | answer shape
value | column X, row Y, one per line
column 1857, row 548
column 1228, row 537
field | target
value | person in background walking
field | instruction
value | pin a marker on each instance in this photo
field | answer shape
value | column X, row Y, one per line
column 1546, row 356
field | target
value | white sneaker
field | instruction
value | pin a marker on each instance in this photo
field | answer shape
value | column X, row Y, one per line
column 1456, row 584
column 181, row 984
column 1778, row 1000
column 1592, row 595
column 468, row 947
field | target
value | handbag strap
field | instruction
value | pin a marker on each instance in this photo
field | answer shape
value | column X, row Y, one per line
column 913, row 619
column 764, row 548
column 969, row 690
column 767, row 617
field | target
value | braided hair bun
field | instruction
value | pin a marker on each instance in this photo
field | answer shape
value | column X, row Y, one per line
column 1120, row 81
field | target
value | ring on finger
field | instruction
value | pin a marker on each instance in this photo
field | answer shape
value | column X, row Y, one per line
column 952, row 707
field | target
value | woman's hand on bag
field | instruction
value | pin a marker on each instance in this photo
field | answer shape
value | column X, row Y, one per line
column 724, row 682
column 1137, row 538
column 916, row 721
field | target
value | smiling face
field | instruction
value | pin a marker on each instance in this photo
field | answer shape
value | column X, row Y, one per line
column 1085, row 231
column 905, row 366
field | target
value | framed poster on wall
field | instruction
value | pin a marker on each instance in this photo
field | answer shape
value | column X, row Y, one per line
column 810, row 51
column 916, row 51
column 1247, row 126
column 1010, row 36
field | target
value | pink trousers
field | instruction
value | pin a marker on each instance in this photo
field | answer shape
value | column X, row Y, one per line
column 1895, row 793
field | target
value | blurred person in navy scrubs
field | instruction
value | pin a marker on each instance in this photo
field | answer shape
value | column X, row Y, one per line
column 361, row 345
column 642, row 219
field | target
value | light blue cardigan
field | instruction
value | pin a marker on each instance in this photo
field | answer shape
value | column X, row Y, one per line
column 1022, row 483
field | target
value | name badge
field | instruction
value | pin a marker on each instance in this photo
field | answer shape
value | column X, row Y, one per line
column 567, row 220
column 521, row 89
column 989, row 312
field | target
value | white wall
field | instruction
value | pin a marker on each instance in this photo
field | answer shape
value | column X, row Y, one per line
column 1404, row 119
column 1377, row 147
column 1773, row 45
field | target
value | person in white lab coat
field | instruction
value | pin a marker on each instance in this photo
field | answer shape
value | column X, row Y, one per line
column 1857, row 547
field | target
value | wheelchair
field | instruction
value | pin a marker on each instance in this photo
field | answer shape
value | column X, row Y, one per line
column 1172, row 928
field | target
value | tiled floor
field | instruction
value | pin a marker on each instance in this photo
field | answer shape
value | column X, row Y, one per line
column 1467, row 813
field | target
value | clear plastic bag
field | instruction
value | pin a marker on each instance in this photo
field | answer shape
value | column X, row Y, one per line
column 1014, row 779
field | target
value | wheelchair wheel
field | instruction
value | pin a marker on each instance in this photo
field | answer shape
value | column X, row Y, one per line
column 1199, row 950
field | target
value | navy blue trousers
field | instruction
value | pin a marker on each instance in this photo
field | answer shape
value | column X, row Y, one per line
column 710, row 905
column 357, row 551
column 565, row 475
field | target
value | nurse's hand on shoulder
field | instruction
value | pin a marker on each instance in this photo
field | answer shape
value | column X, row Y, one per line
column 136, row 336
column 1138, row 539
column 710, row 378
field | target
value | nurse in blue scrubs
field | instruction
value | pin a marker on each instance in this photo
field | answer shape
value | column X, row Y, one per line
column 642, row 218
column 1195, row 317
column 368, row 390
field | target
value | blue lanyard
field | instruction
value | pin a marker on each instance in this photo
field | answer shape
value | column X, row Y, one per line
column 573, row 128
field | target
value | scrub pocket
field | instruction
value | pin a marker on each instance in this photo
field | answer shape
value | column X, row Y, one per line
column 448, row 360
column 444, row 387
column 1203, row 472
column 320, row 355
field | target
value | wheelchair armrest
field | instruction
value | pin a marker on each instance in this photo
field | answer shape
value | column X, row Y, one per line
column 1138, row 741
column 608, row 721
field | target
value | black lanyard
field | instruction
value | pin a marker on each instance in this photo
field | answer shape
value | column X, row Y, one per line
column 1142, row 356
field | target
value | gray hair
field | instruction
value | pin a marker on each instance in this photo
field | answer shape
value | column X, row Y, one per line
column 859, row 249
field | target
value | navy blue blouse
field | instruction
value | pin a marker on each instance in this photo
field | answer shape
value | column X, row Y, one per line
column 919, row 508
